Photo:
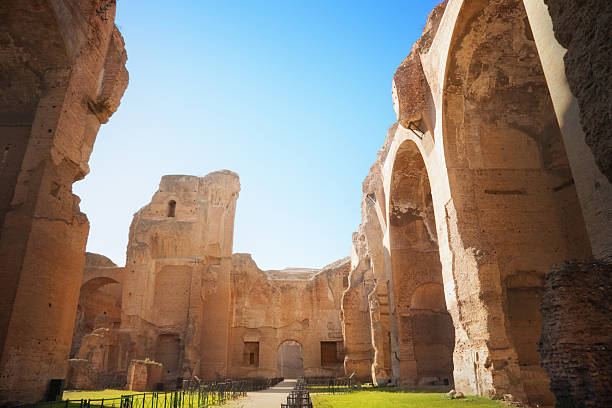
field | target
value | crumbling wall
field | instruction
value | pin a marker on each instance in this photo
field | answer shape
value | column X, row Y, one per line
column 145, row 375
column 99, row 298
column 583, row 28
column 62, row 74
column 176, row 295
column 507, row 166
column 271, row 308
column 356, row 323
column 577, row 333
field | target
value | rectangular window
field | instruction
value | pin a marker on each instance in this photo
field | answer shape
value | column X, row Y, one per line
column 329, row 353
column 251, row 353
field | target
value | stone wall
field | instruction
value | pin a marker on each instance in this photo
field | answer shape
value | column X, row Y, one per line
column 176, row 294
column 62, row 74
column 577, row 333
column 582, row 28
column 99, row 298
column 486, row 172
column 145, row 375
column 190, row 306
column 297, row 310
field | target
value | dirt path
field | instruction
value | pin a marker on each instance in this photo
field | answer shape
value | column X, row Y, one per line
column 270, row 398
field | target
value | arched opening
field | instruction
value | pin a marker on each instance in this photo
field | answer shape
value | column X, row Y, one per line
column 425, row 333
column 517, row 211
column 290, row 362
column 171, row 208
column 99, row 307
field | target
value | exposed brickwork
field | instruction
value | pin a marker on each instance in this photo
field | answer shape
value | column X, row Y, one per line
column 144, row 375
column 577, row 333
column 583, row 27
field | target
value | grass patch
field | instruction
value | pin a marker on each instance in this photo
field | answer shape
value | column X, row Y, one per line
column 87, row 394
column 111, row 398
column 399, row 398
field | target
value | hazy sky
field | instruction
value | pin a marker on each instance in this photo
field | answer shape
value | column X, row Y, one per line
column 294, row 96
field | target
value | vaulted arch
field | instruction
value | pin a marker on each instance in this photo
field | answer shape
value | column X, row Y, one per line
column 516, row 208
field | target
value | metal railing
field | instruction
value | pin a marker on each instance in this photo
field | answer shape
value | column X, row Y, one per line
column 194, row 394
column 299, row 397
column 329, row 385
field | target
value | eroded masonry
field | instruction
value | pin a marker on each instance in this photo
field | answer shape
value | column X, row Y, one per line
column 191, row 305
column 483, row 185
column 62, row 74
column 482, row 261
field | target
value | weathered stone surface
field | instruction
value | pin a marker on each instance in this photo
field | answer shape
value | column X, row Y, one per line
column 176, row 291
column 58, row 59
column 493, row 189
column 80, row 375
column 145, row 375
column 410, row 89
column 583, row 28
column 273, row 308
column 577, row 333
column 99, row 298
column 182, row 291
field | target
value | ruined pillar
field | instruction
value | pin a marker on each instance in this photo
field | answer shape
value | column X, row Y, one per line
column 355, row 313
column 62, row 74
column 175, row 306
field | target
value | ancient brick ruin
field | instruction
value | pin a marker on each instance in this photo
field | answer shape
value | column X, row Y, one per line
column 62, row 74
column 496, row 173
column 576, row 336
column 483, row 185
column 189, row 304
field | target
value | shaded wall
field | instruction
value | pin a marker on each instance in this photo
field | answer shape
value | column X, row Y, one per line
column 514, row 186
column 577, row 333
column 62, row 74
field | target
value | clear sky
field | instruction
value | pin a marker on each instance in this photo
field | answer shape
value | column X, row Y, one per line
column 294, row 96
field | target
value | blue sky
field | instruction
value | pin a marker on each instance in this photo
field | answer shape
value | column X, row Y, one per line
column 294, row 96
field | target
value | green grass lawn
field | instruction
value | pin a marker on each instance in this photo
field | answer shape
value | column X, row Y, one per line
column 384, row 399
column 112, row 398
column 72, row 395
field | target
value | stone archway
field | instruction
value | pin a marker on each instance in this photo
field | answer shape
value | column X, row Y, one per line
column 290, row 359
column 99, row 306
column 516, row 211
column 423, row 334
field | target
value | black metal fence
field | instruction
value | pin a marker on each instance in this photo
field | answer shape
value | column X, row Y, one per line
column 195, row 394
column 299, row 397
column 330, row 385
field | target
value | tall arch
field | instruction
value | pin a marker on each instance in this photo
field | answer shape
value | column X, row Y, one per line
column 99, row 306
column 423, row 332
column 515, row 209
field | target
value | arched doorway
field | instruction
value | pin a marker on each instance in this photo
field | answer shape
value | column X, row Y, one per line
column 423, row 333
column 290, row 363
column 99, row 306
column 516, row 211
